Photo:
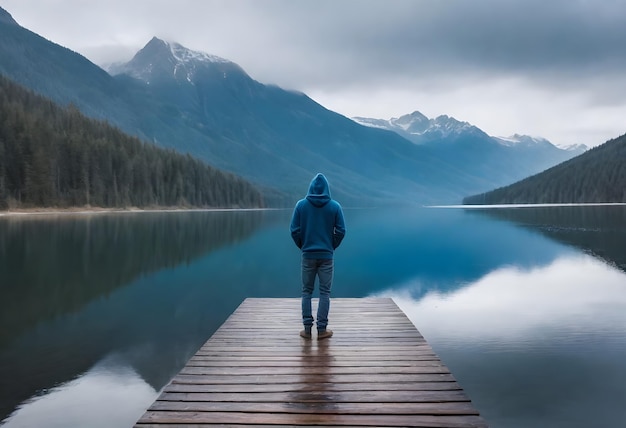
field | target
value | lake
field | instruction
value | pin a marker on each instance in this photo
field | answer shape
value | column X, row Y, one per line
column 526, row 306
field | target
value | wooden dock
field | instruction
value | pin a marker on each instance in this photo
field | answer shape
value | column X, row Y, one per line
column 377, row 370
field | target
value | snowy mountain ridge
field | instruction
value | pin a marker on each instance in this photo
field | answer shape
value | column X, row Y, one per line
column 419, row 128
column 162, row 59
column 518, row 140
column 521, row 140
column 416, row 125
column 573, row 147
column 186, row 56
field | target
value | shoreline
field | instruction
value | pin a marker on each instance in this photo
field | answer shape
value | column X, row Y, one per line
column 98, row 210
column 548, row 205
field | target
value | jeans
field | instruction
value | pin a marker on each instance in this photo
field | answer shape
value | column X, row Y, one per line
column 323, row 269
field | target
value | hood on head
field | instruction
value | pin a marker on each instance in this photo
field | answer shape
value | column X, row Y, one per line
column 319, row 191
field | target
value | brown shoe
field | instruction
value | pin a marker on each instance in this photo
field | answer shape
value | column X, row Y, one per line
column 324, row 334
column 305, row 334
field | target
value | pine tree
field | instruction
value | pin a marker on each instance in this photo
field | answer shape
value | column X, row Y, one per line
column 52, row 156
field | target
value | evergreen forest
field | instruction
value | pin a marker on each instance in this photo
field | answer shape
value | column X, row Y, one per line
column 53, row 156
column 596, row 176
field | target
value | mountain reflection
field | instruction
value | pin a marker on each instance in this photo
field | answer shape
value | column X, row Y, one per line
column 597, row 230
column 67, row 261
column 61, row 310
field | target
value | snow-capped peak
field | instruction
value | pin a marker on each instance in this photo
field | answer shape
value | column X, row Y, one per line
column 414, row 122
column 165, row 60
column 416, row 125
column 184, row 55
column 528, row 141
column 522, row 140
column 579, row 148
column 448, row 125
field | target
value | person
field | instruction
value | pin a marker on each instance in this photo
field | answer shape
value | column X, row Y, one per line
column 317, row 228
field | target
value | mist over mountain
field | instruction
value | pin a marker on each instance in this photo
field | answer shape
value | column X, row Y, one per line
column 211, row 108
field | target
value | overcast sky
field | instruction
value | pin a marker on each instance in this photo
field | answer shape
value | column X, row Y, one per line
column 550, row 68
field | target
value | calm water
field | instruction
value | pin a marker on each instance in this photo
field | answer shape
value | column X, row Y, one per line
column 527, row 306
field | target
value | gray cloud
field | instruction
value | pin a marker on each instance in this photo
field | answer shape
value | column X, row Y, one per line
column 429, row 51
column 389, row 39
column 375, row 38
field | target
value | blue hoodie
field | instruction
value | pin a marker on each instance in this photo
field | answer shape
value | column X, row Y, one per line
column 317, row 225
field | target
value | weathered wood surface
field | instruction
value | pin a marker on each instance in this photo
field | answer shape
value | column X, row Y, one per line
column 377, row 370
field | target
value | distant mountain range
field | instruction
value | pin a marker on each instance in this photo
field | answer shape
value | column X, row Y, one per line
column 209, row 107
column 468, row 148
column 421, row 130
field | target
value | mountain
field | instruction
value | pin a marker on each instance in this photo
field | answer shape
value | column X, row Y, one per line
column 212, row 109
column 216, row 112
column 6, row 18
column 59, row 73
column 596, row 176
column 524, row 141
column 420, row 129
column 468, row 148
column 278, row 137
column 160, row 61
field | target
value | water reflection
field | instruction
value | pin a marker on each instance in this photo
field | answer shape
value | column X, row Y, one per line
column 529, row 345
column 67, row 261
column 597, row 230
column 445, row 248
column 316, row 392
column 109, row 394
column 75, row 289
column 502, row 304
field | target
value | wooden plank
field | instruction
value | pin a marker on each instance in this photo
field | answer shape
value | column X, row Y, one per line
column 377, row 370
column 311, row 419
column 363, row 408
column 313, row 386
column 349, row 378
column 313, row 362
column 327, row 371
column 321, row 395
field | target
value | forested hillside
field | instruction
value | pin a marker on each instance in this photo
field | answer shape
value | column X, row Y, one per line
column 598, row 175
column 56, row 157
